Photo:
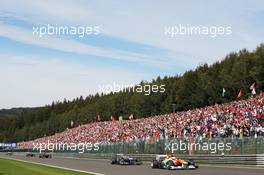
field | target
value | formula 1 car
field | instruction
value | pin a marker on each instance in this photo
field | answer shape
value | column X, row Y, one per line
column 9, row 153
column 121, row 159
column 44, row 155
column 30, row 154
column 172, row 163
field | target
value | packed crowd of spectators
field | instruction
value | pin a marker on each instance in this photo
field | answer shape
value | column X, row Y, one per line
column 237, row 119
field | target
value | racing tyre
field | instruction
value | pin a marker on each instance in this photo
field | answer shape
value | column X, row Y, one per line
column 155, row 164
column 169, row 164
column 122, row 162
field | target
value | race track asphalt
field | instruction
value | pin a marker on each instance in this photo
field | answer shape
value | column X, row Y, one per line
column 104, row 167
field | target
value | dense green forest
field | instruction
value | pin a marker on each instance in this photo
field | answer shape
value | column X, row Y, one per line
column 195, row 88
column 14, row 112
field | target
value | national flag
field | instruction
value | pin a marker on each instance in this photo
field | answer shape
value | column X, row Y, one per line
column 112, row 118
column 98, row 118
column 252, row 88
column 253, row 92
column 72, row 123
column 240, row 94
column 131, row 117
column 223, row 92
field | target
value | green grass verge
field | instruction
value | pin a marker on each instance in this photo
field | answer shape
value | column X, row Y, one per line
column 12, row 167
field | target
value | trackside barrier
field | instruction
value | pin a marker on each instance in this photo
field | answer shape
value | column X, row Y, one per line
column 215, row 146
column 260, row 159
column 232, row 146
column 246, row 150
column 257, row 160
column 209, row 159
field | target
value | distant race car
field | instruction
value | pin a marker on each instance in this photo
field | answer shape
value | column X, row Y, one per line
column 121, row 159
column 172, row 163
column 9, row 153
column 44, row 155
column 30, row 155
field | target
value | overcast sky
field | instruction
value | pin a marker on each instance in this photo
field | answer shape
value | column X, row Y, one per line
column 130, row 47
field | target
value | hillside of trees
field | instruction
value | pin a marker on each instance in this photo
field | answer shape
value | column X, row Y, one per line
column 195, row 88
column 14, row 112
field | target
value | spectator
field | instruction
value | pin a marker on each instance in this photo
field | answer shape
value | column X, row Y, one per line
column 237, row 119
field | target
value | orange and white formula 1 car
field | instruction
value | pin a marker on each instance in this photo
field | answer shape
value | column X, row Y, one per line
column 172, row 163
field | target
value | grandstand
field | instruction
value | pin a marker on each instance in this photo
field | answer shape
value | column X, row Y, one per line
column 238, row 119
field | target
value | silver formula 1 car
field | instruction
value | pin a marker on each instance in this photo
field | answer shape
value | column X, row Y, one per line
column 121, row 159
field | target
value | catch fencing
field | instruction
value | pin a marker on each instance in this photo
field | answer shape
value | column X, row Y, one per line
column 215, row 146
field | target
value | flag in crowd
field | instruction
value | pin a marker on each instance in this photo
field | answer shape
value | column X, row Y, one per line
column 252, row 88
column 131, row 117
column 98, row 118
column 72, row 123
column 112, row 118
column 223, row 92
column 240, row 94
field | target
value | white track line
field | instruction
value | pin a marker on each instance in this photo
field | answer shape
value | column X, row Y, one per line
column 53, row 166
